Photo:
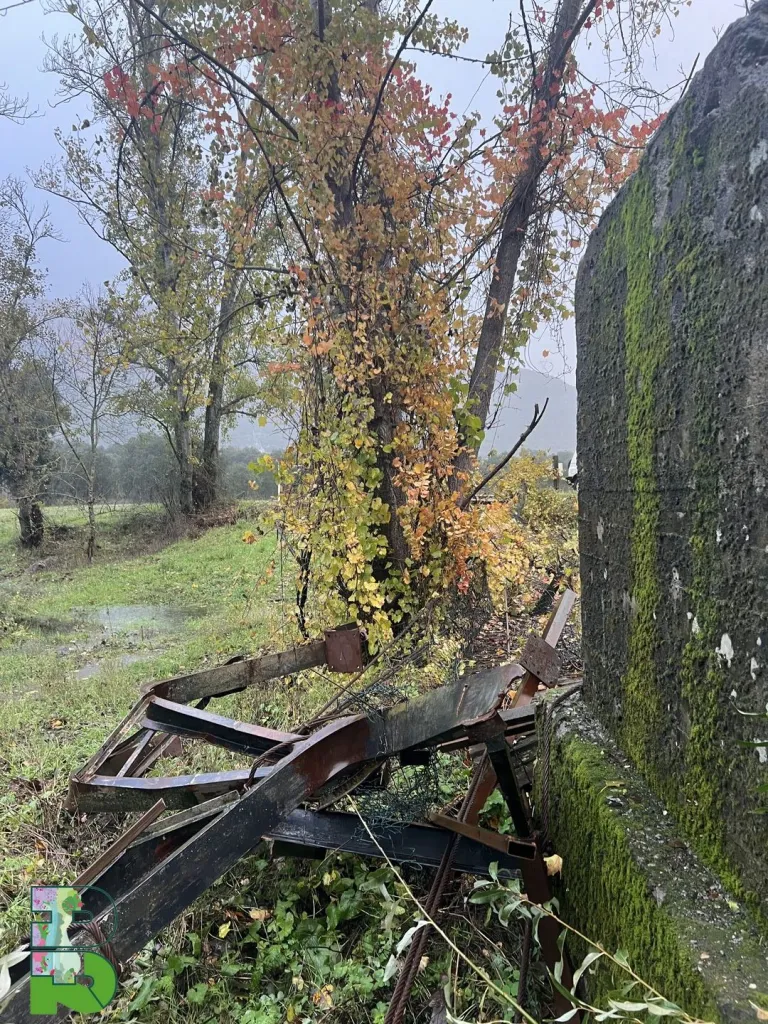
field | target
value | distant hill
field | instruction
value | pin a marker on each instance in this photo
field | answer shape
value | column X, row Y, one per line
column 555, row 433
column 557, row 430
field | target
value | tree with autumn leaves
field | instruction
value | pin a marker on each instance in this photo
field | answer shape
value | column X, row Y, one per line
column 421, row 249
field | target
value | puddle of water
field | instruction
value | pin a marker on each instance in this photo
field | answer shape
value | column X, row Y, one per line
column 24, row 691
column 90, row 668
column 131, row 618
column 93, row 668
column 130, row 624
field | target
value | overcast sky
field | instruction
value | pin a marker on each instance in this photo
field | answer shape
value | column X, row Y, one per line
column 84, row 258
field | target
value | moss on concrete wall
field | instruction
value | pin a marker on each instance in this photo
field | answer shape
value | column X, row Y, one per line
column 632, row 242
column 672, row 311
column 629, row 883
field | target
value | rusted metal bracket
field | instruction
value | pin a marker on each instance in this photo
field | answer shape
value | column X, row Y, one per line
column 552, row 633
column 503, row 844
column 344, row 648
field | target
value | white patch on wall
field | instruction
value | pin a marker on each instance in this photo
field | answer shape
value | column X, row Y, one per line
column 754, row 668
column 600, row 530
column 762, row 754
column 758, row 155
column 725, row 650
column 759, row 641
column 718, row 535
column 676, row 587
column 755, row 214
column 605, row 574
column 695, row 627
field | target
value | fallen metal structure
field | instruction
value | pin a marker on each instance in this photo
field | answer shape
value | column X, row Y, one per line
column 160, row 865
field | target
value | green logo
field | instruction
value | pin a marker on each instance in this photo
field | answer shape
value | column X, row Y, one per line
column 77, row 977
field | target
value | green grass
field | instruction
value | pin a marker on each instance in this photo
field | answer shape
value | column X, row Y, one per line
column 222, row 594
column 120, row 530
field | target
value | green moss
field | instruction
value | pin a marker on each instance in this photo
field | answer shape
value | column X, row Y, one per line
column 657, row 265
column 631, row 245
column 697, row 273
column 646, row 341
column 607, row 896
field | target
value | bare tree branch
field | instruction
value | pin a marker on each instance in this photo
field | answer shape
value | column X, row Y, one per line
column 537, row 418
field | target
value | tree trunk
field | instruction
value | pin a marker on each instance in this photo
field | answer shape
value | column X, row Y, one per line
column 515, row 223
column 91, row 545
column 184, row 457
column 383, row 424
column 206, row 478
column 489, row 347
column 31, row 525
column 206, row 483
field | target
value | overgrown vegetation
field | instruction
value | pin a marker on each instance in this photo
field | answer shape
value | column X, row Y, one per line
column 276, row 939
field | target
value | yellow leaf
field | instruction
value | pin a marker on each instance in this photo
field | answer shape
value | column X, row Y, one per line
column 322, row 997
column 224, row 929
column 262, row 421
column 259, row 914
column 290, row 1013
column 554, row 864
column 759, row 1011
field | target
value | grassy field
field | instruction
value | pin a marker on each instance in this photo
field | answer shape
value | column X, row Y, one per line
column 276, row 939
column 76, row 643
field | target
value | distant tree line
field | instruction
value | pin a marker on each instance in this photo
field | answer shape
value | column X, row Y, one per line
column 142, row 470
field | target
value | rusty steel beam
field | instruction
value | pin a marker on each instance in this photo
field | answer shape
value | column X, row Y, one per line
column 118, row 742
column 167, row 716
column 442, row 714
column 324, row 832
column 517, row 722
column 239, row 675
column 111, row 854
column 506, row 777
column 125, row 793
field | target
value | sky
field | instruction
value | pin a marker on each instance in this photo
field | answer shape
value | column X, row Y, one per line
column 83, row 258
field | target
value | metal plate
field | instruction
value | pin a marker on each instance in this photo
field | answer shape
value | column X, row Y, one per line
column 541, row 660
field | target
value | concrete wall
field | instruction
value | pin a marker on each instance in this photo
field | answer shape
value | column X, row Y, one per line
column 672, row 330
